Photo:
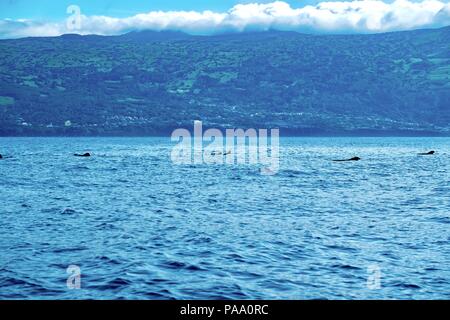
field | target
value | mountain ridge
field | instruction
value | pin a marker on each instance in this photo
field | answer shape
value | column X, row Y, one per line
column 149, row 82
column 230, row 33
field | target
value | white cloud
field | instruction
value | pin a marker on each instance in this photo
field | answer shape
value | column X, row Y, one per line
column 329, row 17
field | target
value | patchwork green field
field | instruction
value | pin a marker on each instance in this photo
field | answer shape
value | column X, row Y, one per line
column 149, row 83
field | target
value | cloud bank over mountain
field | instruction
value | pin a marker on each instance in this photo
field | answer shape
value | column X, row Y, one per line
column 366, row 16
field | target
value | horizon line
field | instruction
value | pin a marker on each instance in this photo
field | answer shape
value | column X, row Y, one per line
column 327, row 17
column 226, row 33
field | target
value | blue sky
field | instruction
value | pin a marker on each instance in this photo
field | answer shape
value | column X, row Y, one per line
column 56, row 9
column 24, row 18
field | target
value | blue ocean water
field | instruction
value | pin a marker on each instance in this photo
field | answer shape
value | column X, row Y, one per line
column 140, row 227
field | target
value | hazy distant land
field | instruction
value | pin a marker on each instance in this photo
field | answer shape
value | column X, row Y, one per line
column 148, row 83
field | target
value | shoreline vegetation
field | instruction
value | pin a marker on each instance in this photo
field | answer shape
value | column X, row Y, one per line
column 167, row 134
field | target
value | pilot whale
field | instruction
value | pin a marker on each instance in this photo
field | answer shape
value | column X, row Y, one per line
column 427, row 153
column 352, row 159
column 87, row 154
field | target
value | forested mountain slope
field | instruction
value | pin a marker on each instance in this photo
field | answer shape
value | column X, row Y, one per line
column 151, row 82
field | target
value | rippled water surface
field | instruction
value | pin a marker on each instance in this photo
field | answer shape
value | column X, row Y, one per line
column 140, row 227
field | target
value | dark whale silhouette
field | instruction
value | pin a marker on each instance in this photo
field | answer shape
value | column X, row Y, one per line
column 1, row 157
column 427, row 153
column 87, row 154
column 352, row 159
column 220, row 153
